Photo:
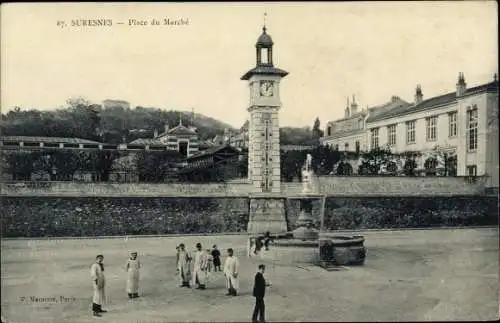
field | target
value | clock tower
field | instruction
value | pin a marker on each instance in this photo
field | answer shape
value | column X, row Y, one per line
column 264, row 140
column 266, row 208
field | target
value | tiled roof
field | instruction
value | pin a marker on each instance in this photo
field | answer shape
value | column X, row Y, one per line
column 205, row 143
column 181, row 130
column 342, row 134
column 266, row 70
column 55, row 140
column 430, row 103
column 147, row 141
column 211, row 151
column 352, row 116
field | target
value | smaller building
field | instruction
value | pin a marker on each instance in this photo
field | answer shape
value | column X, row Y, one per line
column 183, row 139
column 216, row 164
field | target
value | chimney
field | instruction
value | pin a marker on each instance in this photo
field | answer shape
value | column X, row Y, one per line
column 166, row 127
column 354, row 105
column 419, row 97
column 155, row 135
column 461, row 85
column 346, row 114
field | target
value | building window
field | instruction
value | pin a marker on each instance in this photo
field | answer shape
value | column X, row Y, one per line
column 328, row 131
column 472, row 128
column 391, row 135
column 374, row 138
column 360, row 124
column 346, row 146
column 472, row 170
column 431, row 128
column 410, row 132
column 452, row 124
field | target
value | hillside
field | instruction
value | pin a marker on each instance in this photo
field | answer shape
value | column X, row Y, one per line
column 113, row 124
column 116, row 124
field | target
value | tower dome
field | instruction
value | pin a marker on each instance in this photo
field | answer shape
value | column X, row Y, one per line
column 264, row 40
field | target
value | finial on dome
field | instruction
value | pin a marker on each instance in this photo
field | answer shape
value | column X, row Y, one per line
column 264, row 27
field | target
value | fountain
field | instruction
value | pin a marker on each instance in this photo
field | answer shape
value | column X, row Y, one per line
column 306, row 244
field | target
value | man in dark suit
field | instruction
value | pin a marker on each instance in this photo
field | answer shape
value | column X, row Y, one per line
column 259, row 291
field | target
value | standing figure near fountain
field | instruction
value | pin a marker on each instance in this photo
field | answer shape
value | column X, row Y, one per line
column 231, row 267
column 183, row 266
column 200, row 267
column 132, row 268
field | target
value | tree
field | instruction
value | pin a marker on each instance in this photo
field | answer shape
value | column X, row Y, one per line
column 344, row 168
column 19, row 164
column 103, row 163
column 153, row 166
column 373, row 160
column 316, row 130
column 85, row 117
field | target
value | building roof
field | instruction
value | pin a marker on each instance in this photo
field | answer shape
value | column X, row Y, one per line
column 264, row 70
column 245, row 126
column 431, row 102
column 265, row 39
column 181, row 130
column 147, row 141
column 205, row 144
column 55, row 140
column 356, row 115
column 213, row 150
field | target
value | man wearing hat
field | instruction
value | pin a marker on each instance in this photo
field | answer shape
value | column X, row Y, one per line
column 200, row 267
column 183, row 266
column 132, row 267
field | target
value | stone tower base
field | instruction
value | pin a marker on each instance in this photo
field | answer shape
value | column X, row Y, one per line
column 267, row 214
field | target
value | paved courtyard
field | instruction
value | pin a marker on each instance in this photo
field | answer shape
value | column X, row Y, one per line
column 414, row 275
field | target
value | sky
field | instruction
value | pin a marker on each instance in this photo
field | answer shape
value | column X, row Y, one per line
column 373, row 50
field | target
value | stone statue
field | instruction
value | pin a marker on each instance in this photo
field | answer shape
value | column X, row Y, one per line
column 307, row 175
column 308, row 166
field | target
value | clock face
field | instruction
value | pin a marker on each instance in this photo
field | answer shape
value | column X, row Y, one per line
column 266, row 88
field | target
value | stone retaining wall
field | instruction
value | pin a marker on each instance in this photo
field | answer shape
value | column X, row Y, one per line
column 344, row 213
column 100, row 216
column 324, row 185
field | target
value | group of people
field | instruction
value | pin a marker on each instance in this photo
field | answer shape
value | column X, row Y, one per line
column 205, row 262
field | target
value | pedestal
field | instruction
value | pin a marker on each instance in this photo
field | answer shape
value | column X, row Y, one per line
column 267, row 214
column 305, row 223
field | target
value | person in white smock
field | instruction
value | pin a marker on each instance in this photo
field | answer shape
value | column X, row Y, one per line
column 98, row 284
column 231, row 267
column 200, row 267
column 183, row 266
column 132, row 267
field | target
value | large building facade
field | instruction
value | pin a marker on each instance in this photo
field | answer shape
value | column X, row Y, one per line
column 462, row 123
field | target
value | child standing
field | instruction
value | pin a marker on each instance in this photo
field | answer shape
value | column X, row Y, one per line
column 216, row 258
column 132, row 267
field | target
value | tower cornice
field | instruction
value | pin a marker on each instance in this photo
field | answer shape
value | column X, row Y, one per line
column 264, row 70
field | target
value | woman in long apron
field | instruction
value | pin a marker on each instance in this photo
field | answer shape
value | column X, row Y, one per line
column 132, row 267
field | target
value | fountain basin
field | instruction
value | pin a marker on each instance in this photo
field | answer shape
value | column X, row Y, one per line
column 347, row 250
column 285, row 250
